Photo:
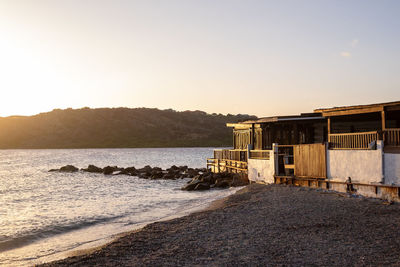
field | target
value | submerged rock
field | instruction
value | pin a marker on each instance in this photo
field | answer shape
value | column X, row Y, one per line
column 111, row 169
column 202, row 186
column 93, row 168
column 67, row 168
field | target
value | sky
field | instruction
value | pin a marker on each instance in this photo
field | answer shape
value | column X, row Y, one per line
column 262, row 58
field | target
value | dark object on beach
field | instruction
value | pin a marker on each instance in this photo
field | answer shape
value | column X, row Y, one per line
column 67, row 168
column 92, row 168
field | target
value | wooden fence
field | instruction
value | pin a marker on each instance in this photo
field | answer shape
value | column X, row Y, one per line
column 392, row 137
column 352, row 140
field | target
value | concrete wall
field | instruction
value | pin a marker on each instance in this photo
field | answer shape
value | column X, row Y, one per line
column 392, row 168
column 363, row 166
column 260, row 170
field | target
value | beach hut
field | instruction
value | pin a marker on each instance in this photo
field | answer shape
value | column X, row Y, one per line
column 331, row 148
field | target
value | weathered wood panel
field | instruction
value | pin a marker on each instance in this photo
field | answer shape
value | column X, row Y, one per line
column 258, row 140
column 241, row 138
column 310, row 160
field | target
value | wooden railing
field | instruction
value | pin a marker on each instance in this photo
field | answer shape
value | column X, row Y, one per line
column 260, row 154
column 352, row 140
column 392, row 137
column 226, row 165
column 231, row 154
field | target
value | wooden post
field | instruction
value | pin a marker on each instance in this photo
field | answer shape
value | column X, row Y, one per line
column 329, row 128
column 234, row 139
column 383, row 125
column 252, row 135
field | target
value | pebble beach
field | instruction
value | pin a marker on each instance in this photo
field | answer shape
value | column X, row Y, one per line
column 268, row 225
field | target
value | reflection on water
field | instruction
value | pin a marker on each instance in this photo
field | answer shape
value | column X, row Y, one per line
column 46, row 215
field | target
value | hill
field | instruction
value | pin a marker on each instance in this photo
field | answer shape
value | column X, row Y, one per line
column 117, row 128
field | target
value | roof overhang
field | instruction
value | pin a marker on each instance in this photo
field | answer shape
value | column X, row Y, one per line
column 360, row 109
column 256, row 123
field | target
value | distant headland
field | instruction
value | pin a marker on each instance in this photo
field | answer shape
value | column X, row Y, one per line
column 117, row 128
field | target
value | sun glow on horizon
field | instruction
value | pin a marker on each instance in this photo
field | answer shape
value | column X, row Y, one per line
column 225, row 57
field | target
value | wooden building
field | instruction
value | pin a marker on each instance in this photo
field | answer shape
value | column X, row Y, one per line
column 360, row 143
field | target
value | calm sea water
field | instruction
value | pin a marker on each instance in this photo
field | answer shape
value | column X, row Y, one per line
column 46, row 216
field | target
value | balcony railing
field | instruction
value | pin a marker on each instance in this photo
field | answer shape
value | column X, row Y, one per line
column 260, row 154
column 392, row 137
column 352, row 140
column 231, row 154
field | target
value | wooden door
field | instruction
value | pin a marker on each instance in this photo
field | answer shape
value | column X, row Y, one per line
column 310, row 160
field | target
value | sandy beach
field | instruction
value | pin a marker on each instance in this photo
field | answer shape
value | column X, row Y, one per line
column 268, row 225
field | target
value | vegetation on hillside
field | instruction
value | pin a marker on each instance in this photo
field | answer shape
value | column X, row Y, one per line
column 117, row 128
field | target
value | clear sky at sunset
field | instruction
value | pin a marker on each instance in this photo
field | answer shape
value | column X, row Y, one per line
column 257, row 57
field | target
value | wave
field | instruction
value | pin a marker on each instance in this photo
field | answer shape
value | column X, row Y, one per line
column 23, row 239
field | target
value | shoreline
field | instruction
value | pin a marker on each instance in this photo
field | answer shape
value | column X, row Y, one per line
column 99, row 244
column 262, row 224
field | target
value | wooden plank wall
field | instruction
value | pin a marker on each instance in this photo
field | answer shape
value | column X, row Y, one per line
column 258, row 144
column 241, row 138
column 310, row 160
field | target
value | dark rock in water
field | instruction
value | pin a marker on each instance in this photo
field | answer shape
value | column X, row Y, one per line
column 192, row 185
column 183, row 168
column 158, row 169
column 192, row 172
column 92, row 168
column 109, row 169
column 173, row 167
column 156, row 174
column 189, row 187
column 129, row 171
column 147, row 168
column 203, row 170
column 222, row 183
column 146, row 174
column 208, row 179
column 67, row 168
column 168, row 176
column 202, row 186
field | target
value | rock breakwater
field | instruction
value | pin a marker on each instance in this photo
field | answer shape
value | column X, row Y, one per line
column 202, row 178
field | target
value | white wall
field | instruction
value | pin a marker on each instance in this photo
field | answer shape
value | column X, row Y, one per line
column 363, row 166
column 392, row 168
column 260, row 170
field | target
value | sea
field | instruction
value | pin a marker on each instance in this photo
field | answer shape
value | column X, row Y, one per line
column 46, row 216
